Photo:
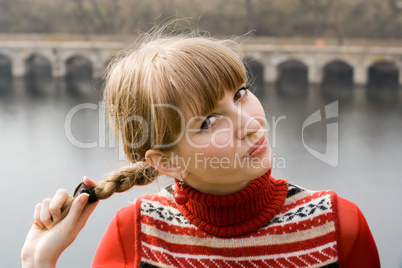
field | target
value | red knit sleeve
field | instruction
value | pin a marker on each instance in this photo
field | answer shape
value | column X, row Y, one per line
column 116, row 248
column 357, row 246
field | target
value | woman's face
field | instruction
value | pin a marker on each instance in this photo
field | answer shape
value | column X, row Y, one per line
column 214, row 151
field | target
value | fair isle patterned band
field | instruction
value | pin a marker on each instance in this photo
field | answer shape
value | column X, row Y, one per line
column 303, row 234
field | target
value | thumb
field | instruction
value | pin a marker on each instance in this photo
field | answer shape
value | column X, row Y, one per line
column 86, row 212
column 76, row 210
column 88, row 182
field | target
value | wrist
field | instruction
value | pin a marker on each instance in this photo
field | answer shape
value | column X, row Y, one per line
column 30, row 263
column 26, row 264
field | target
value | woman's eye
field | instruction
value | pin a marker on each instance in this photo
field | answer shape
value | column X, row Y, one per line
column 208, row 122
column 240, row 93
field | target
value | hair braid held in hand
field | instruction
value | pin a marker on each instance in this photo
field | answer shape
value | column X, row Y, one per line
column 119, row 181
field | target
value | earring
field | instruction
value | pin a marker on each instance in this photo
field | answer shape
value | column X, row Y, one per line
column 180, row 196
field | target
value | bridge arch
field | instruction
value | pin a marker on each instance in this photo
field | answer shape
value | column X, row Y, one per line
column 78, row 67
column 292, row 79
column 81, row 58
column 337, row 81
column 5, row 67
column 37, row 65
column 339, row 58
column 383, row 81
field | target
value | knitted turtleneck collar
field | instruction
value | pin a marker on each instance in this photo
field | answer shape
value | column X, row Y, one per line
column 239, row 213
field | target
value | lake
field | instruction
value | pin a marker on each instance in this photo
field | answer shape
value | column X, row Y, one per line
column 42, row 122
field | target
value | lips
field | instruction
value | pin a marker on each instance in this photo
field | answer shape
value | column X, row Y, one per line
column 258, row 148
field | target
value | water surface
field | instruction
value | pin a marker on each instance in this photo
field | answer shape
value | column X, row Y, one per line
column 37, row 158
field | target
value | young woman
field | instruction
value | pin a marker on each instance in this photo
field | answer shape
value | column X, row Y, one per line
column 181, row 107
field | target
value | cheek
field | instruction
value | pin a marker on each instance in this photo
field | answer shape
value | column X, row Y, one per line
column 214, row 150
column 214, row 146
column 218, row 151
column 222, row 139
column 256, row 110
column 217, row 141
column 255, row 104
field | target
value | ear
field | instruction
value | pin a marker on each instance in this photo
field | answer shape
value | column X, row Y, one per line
column 160, row 161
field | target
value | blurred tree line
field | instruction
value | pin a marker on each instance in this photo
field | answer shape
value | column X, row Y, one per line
column 370, row 19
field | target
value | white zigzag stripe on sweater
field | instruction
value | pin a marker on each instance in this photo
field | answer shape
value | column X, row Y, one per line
column 282, row 218
column 173, row 216
column 295, row 254
column 163, row 213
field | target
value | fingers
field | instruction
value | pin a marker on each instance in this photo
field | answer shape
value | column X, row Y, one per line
column 36, row 217
column 50, row 209
column 57, row 202
column 45, row 216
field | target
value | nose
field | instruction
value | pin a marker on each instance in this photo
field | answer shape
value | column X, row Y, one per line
column 246, row 125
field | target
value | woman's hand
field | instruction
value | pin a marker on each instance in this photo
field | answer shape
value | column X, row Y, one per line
column 43, row 246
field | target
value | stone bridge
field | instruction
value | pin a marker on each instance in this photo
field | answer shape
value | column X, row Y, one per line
column 22, row 58
column 270, row 62
column 320, row 59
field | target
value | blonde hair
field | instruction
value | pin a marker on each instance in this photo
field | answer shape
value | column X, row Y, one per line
column 190, row 72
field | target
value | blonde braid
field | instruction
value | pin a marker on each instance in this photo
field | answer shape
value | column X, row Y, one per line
column 120, row 181
column 124, row 179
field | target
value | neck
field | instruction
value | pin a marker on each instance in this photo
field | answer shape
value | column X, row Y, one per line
column 239, row 213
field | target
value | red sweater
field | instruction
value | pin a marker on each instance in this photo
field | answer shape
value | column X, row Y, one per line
column 227, row 231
